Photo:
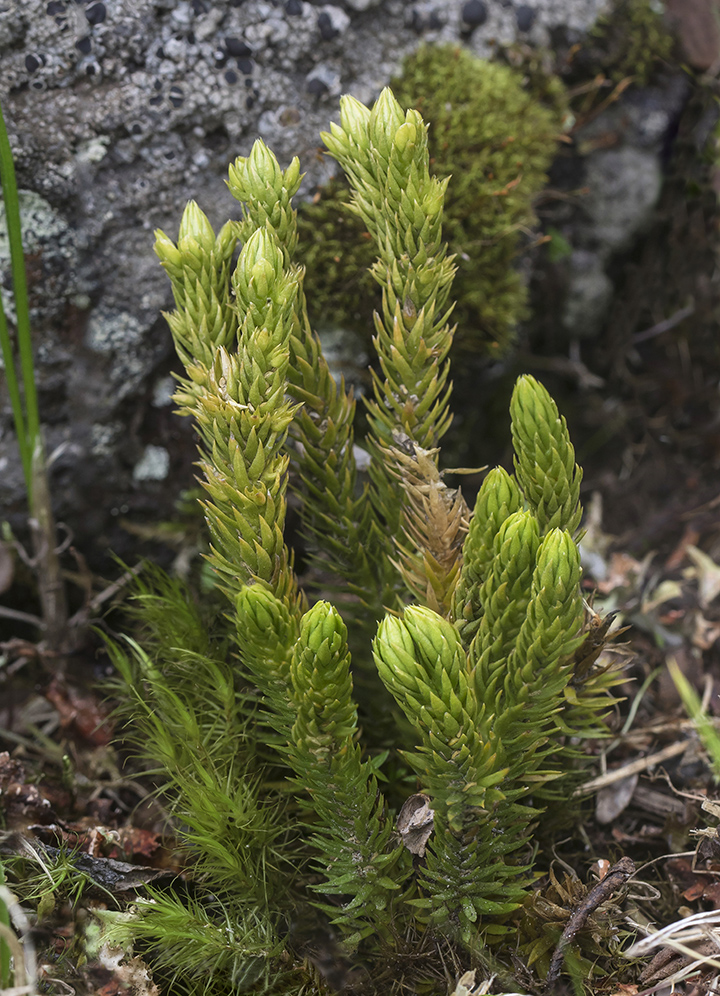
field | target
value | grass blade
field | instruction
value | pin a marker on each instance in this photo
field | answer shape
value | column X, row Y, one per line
column 27, row 423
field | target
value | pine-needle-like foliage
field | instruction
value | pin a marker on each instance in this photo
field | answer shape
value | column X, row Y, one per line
column 269, row 724
column 495, row 138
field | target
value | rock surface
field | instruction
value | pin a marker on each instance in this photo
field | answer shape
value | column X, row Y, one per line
column 120, row 112
column 619, row 158
column 697, row 23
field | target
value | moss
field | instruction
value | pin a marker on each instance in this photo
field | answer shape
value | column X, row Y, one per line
column 337, row 252
column 634, row 40
column 496, row 139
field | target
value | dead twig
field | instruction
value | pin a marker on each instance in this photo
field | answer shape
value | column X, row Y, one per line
column 640, row 764
column 664, row 326
column 616, row 877
column 83, row 614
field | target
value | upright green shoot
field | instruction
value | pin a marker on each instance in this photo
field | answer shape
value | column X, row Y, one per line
column 470, row 691
column 5, row 976
column 27, row 418
column 25, row 415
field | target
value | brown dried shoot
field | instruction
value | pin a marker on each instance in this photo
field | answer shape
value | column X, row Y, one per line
column 436, row 520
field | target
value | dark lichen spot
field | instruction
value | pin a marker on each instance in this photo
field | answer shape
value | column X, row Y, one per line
column 217, row 140
column 293, row 7
column 96, row 14
column 525, row 17
column 231, row 76
column 245, row 66
column 327, row 29
column 474, row 13
column 84, row 45
column 317, row 87
column 32, row 63
column 237, row 47
column 55, row 7
column 155, row 101
column 176, row 96
column 415, row 21
column 157, row 85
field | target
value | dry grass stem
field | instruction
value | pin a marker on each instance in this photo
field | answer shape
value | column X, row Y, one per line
column 634, row 767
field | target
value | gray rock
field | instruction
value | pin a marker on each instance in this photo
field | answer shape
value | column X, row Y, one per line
column 153, row 465
column 118, row 113
column 52, row 242
column 324, row 79
column 624, row 185
column 332, row 22
column 362, row 4
column 641, row 117
column 588, row 297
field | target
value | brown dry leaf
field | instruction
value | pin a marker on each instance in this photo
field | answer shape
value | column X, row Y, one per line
column 676, row 558
column 624, row 572
column 22, row 803
column 415, row 823
column 131, row 976
column 136, row 842
column 81, row 713
column 681, row 873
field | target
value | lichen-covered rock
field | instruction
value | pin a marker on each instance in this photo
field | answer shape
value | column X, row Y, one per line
column 614, row 169
column 588, row 296
column 624, row 186
column 117, row 113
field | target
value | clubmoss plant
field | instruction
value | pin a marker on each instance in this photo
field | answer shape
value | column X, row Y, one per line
column 496, row 140
column 288, row 730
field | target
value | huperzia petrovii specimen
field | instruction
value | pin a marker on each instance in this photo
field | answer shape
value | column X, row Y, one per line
column 439, row 663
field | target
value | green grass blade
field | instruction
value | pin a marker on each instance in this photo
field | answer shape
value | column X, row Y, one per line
column 5, row 978
column 704, row 725
column 27, row 427
column 15, row 399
